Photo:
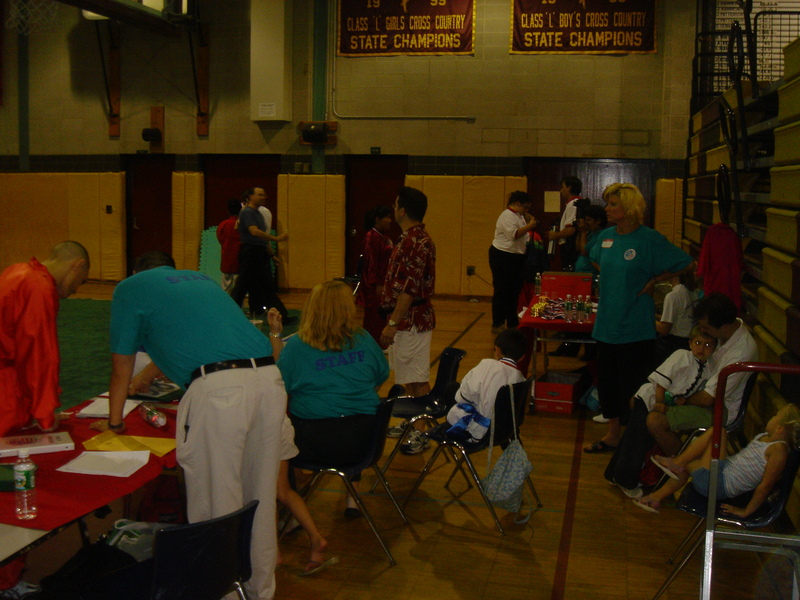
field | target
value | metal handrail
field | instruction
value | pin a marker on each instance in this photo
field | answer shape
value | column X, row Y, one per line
column 716, row 443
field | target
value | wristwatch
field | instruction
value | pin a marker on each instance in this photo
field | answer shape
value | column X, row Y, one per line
column 392, row 323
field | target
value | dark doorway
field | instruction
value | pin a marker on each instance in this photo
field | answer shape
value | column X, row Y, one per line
column 148, row 183
column 546, row 174
column 371, row 180
column 228, row 175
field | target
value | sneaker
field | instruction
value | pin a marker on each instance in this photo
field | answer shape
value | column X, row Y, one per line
column 497, row 328
column 20, row 591
column 417, row 443
column 397, row 431
column 599, row 419
column 632, row 493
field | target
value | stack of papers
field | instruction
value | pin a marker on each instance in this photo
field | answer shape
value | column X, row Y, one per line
column 98, row 409
column 114, row 464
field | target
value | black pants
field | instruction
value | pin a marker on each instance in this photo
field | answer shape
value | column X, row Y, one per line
column 621, row 370
column 255, row 278
column 507, row 282
column 627, row 461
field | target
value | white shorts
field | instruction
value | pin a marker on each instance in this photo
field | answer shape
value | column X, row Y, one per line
column 288, row 449
column 411, row 356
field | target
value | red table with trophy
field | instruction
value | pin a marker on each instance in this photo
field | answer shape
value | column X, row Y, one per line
column 548, row 318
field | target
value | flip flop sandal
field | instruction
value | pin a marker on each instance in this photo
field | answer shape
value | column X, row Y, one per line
column 647, row 504
column 598, row 447
column 313, row 566
column 673, row 474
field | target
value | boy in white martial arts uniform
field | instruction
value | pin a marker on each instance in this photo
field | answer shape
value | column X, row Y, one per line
column 472, row 415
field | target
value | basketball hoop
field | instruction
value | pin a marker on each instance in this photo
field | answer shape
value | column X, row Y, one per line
column 27, row 16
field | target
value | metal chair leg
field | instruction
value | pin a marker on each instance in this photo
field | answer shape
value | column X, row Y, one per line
column 422, row 475
column 695, row 528
column 385, row 484
column 679, row 567
column 459, row 466
column 483, row 493
column 354, row 494
column 408, row 428
column 389, row 460
column 533, row 491
column 239, row 589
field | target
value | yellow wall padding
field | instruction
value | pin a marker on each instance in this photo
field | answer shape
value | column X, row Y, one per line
column 112, row 226
column 101, row 232
column 39, row 210
column 314, row 253
column 444, row 223
column 462, row 212
column 187, row 219
column 33, row 215
column 484, row 200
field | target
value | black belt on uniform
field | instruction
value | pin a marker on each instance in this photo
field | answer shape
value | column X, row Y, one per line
column 224, row 365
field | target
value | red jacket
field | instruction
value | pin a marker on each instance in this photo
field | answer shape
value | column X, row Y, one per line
column 230, row 241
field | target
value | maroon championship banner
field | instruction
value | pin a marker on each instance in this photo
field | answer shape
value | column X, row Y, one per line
column 583, row 27
column 406, row 27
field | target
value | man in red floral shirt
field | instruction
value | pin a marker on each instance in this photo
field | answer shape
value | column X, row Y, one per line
column 407, row 293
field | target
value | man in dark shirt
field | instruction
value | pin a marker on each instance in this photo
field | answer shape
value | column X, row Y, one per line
column 255, row 272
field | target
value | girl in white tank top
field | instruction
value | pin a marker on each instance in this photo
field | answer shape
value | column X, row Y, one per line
column 758, row 467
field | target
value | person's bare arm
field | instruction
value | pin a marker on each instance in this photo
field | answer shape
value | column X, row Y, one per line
column 404, row 301
column 256, row 232
column 121, row 374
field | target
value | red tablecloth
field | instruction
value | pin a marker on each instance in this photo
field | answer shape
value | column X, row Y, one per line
column 554, row 324
column 64, row 497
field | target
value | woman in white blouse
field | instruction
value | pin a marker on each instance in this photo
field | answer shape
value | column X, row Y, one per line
column 507, row 257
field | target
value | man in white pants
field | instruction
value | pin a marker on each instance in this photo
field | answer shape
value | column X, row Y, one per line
column 229, row 421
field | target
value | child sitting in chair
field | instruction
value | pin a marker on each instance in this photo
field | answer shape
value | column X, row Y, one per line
column 685, row 372
column 472, row 415
column 758, row 467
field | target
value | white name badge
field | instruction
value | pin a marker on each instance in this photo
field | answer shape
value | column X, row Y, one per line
column 607, row 243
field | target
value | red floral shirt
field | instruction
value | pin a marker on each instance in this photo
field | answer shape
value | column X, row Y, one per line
column 412, row 269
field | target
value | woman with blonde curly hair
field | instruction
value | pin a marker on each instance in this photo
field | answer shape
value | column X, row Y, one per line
column 631, row 259
column 332, row 369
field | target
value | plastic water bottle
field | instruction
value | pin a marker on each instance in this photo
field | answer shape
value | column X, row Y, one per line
column 538, row 284
column 568, row 314
column 25, row 486
column 580, row 310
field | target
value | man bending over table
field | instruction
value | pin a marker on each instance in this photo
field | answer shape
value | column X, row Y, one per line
column 29, row 356
column 229, row 420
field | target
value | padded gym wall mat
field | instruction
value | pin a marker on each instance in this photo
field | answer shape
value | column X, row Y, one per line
column 303, row 260
column 111, row 199
column 443, row 221
column 83, row 195
column 187, row 219
column 484, row 201
column 34, row 215
column 335, row 224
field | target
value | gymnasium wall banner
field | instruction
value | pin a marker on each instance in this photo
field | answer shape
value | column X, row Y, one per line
column 583, row 26
column 406, row 27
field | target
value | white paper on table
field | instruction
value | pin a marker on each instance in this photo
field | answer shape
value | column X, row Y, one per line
column 98, row 409
column 115, row 464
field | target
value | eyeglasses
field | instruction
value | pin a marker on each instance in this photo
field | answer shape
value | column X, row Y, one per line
column 699, row 343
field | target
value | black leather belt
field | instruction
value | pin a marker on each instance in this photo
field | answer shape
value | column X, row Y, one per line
column 224, row 365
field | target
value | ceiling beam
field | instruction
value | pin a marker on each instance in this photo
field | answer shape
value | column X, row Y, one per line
column 130, row 13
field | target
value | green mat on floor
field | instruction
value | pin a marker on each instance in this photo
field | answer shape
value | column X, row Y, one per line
column 83, row 332
column 85, row 357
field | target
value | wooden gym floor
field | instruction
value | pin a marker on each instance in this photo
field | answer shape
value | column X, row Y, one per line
column 587, row 542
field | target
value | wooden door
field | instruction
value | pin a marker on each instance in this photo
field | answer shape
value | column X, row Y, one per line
column 228, row 175
column 371, row 180
column 546, row 174
column 148, row 182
